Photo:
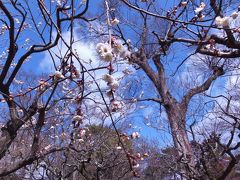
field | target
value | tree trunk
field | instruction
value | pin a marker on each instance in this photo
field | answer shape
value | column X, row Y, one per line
column 5, row 141
column 177, row 120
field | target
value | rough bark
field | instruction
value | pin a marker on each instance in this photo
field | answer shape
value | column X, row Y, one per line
column 176, row 111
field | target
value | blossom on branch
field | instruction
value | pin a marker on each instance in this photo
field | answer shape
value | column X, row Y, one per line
column 116, row 105
column 200, row 8
column 184, row 3
column 115, row 21
column 58, row 75
column 108, row 78
column 222, row 21
column 105, row 51
column 135, row 135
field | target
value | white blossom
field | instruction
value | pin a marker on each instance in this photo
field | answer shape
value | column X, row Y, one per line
column 77, row 118
column 222, row 21
column 17, row 20
column 135, row 135
column 58, row 75
column 39, row 24
column 225, row 21
column 80, row 140
column 114, row 84
column 115, row 21
column 129, row 41
column 116, row 105
column 108, row 56
column 118, row 47
column 48, row 147
column 108, row 78
column 234, row 15
column 184, row 3
column 105, row 51
column 200, row 8
column 136, row 165
column 59, row 3
column 118, row 147
column 82, row 132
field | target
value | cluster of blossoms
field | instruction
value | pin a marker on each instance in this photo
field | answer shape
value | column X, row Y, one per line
column 105, row 51
column 225, row 21
column 78, row 133
column 108, row 52
column 111, row 82
column 199, row 12
column 222, row 21
column 111, row 51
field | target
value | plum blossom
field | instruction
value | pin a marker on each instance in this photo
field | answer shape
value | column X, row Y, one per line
column 138, row 155
column 105, row 51
column 80, row 140
column 115, row 21
column 118, row 147
column 77, row 118
column 115, row 105
column 114, row 84
column 58, row 75
column 200, row 8
column 17, row 20
column 82, row 132
column 136, row 165
column 184, row 3
column 59, row 3
column 222, row 21
column 108, row 78
column 117, row 47
column 135, row 135
column 47, row 147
